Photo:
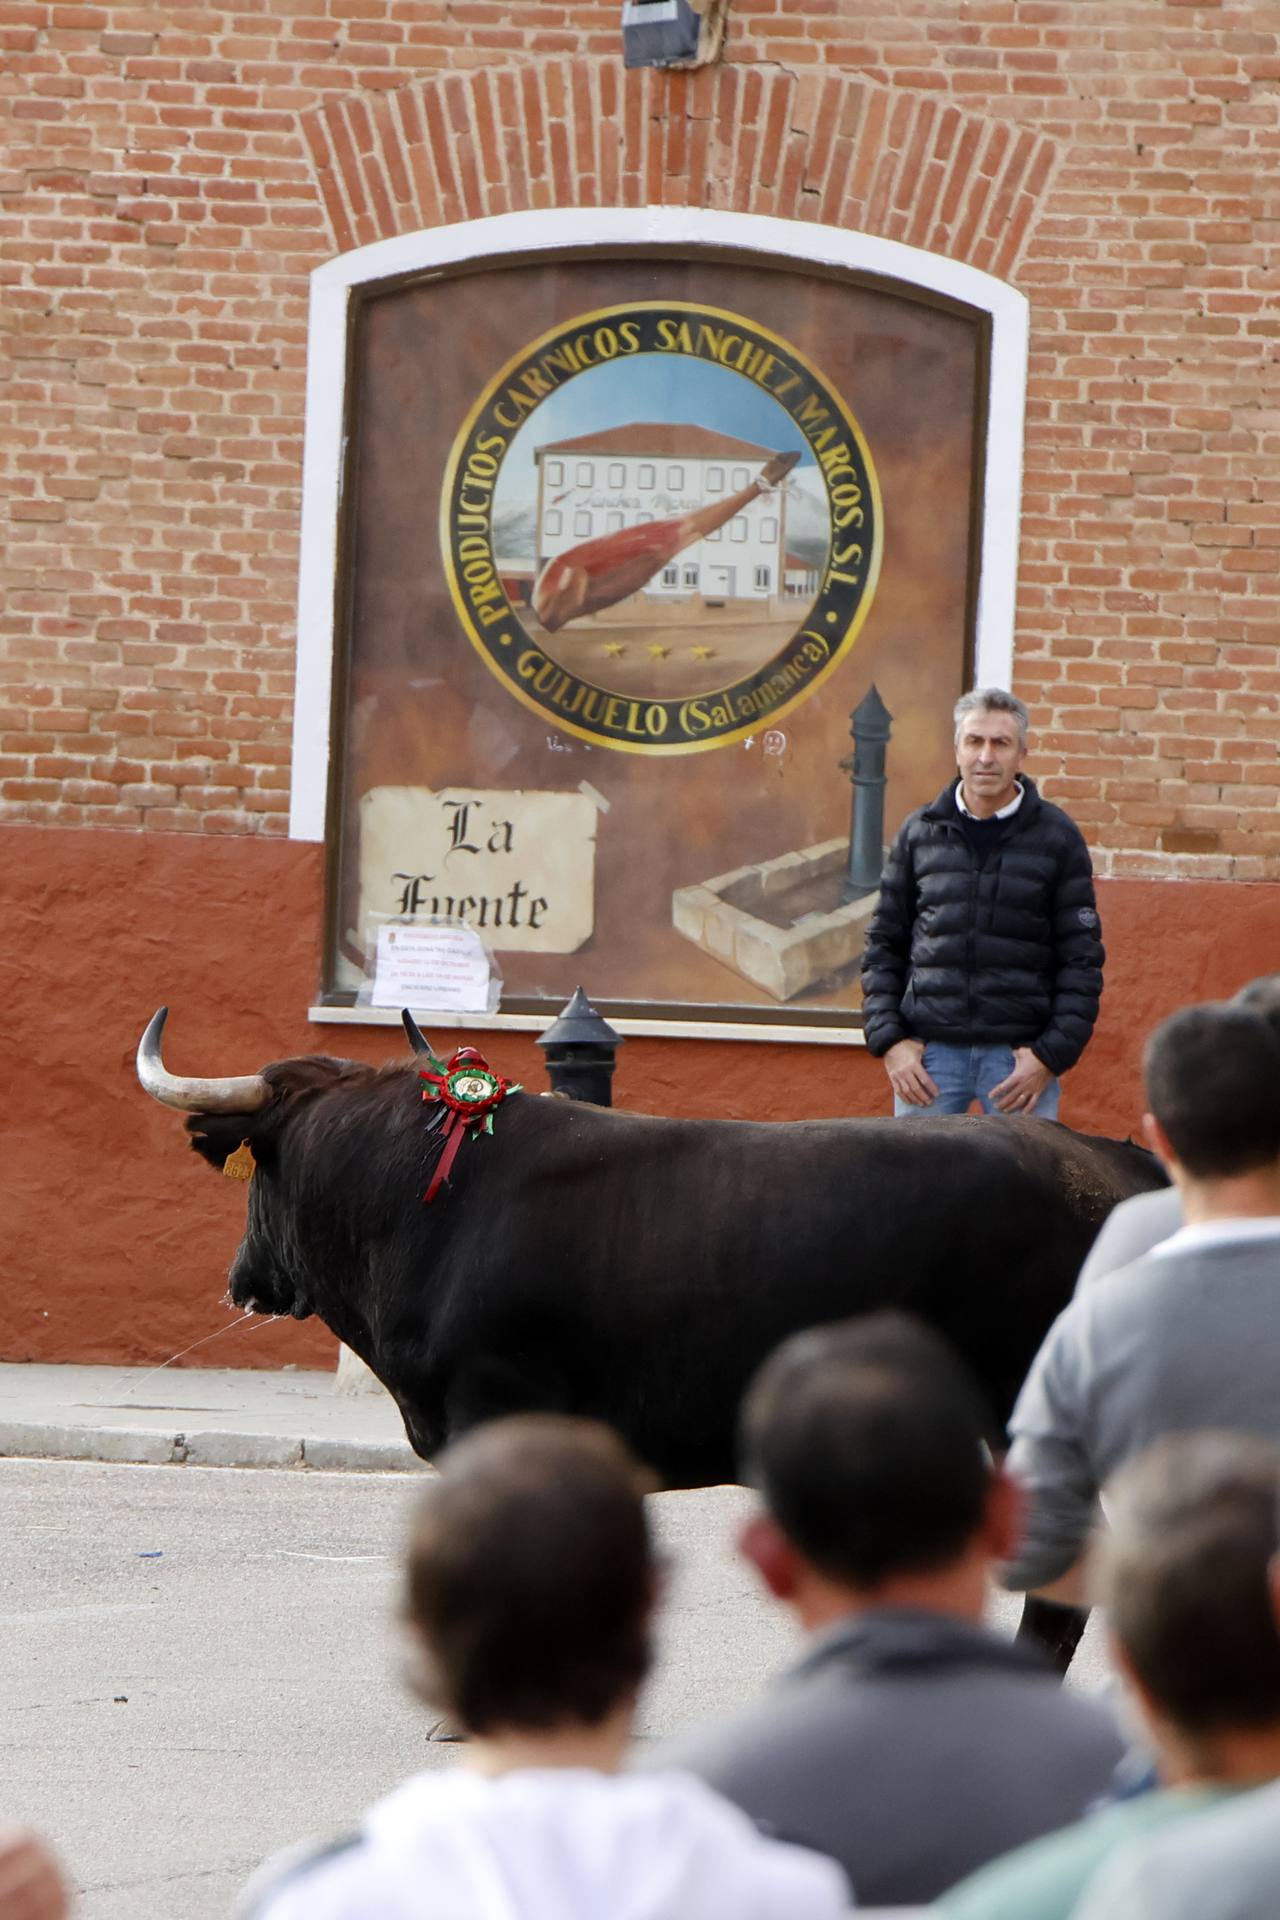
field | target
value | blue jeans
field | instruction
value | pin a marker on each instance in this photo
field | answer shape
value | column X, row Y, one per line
column 964, row 1074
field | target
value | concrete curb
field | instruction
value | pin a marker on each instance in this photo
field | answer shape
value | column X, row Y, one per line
column 151, row 1446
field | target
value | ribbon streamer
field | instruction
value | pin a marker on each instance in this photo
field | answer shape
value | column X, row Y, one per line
column 470, row 1091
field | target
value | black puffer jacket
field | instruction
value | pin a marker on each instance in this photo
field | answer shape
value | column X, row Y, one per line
column 1003, row 950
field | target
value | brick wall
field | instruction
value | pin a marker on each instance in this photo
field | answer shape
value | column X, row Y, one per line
column 173, row 173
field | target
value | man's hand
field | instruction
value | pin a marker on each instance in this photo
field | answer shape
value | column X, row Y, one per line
column 1019, row 1093
column 31, row 1886
column 904, row 1064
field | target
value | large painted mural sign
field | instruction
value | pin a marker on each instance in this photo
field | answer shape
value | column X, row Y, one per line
column 648, row 595
column 627, row 542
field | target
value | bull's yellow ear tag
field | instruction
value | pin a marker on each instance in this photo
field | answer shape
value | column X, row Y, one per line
column 240, row 1164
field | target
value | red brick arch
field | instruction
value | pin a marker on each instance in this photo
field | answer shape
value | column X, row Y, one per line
column 834, row 148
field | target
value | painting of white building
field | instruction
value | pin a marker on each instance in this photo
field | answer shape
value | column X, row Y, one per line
column 646, row 471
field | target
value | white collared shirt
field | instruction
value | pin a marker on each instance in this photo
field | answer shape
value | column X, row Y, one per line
column 1220, row 1233
column 1001, row 813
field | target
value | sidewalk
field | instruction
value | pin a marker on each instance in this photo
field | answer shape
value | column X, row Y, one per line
column 199, row 1416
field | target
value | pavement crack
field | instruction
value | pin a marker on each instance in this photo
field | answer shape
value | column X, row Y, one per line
column 237, row 1867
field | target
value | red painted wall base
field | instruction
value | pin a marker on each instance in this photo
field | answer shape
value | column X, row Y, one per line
column 117, row 1238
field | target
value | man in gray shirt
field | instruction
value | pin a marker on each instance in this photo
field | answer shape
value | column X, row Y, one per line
column 908, row 1742
column 1137, row 1225
column 1134, row 1228
column 1184, row 1337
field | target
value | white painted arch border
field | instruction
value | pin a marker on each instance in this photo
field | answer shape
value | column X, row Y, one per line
column 551, row 231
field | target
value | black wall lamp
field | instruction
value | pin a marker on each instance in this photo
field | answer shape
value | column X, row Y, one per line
column 672, row 33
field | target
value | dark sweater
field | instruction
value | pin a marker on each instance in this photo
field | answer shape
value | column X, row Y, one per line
column 984, row 836
column 913, row 1747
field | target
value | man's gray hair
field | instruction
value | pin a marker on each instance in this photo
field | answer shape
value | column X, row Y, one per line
column 992, row 700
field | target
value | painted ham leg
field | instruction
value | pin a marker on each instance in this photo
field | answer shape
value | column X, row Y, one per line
column 603, row 571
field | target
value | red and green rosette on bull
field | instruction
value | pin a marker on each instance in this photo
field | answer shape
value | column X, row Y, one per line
column 470, row 1092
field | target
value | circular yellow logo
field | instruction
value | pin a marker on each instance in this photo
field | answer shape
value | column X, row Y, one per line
column 661, row 527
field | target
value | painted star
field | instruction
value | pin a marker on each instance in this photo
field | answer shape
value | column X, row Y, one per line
column 615, row 649
column 659, row 653
column 703, row 653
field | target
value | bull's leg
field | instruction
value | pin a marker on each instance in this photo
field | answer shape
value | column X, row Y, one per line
column 530, row 1380
column 1054, row 1629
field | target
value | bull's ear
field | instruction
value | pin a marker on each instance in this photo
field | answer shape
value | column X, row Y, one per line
column 216, row 1136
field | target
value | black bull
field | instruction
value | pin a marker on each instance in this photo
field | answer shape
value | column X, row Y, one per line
column 638, row 1270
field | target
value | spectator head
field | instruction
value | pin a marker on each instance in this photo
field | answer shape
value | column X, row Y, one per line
column 865, row 1442
column 991, row 700
column 1182, row 1570
column 1261, row 996
column 532, row 1577
column 1213, row 1089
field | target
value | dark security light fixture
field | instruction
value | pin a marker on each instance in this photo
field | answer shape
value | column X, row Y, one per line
column 672, row 33
column 581, row 1050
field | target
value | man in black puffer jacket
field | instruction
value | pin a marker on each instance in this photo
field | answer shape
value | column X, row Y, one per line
column 983, row 966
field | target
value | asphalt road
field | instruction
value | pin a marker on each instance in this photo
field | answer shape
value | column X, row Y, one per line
column 201, row 1665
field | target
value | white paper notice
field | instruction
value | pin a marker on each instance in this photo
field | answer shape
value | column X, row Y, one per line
column 443, row 969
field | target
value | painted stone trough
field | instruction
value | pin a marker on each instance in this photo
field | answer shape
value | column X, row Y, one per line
column 800, row 919
column 781, row 924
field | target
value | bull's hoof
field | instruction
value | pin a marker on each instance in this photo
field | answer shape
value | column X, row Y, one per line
column 445, row 1729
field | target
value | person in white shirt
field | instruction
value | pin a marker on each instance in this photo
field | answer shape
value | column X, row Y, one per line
column 1185, row 1337
column 531, row 1586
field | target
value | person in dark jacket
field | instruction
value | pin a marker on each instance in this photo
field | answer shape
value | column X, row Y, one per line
column 983, row 965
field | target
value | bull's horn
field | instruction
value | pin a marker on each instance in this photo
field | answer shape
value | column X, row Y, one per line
column 417, row 1038
column 242, row 1095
